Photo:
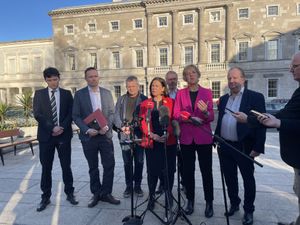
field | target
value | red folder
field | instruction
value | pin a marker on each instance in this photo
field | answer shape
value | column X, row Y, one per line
column 96, row 120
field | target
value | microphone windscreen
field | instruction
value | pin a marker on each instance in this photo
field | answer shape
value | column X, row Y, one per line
column 185, row 115
column 150, row 105
column 176, row 128
column 164, row 116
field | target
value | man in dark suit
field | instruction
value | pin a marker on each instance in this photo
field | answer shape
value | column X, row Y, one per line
column 52, row 108
column 86, row 101
column 248, row 140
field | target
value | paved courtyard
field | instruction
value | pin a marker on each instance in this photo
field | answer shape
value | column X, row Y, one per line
column 20, row 192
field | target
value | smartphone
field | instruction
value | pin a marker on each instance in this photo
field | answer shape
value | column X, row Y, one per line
column 230, row 110
column 255, row 113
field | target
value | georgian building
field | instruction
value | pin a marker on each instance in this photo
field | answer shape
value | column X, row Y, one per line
column 148, row 38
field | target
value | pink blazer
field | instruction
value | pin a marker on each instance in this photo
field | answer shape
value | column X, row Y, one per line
column 190, row 132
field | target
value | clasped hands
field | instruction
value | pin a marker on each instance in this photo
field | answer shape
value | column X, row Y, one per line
column 57, row 130
column 92, row 132
column 157, row 138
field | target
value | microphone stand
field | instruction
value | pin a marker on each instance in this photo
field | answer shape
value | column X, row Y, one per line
column 221, row 140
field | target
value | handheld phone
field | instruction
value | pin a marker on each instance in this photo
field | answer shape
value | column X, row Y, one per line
column 255, row 113
column 230, row 110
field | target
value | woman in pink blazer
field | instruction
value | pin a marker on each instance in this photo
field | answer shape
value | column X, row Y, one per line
column 194, row 103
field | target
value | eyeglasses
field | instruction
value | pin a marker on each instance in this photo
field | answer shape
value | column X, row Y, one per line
column 294, row 66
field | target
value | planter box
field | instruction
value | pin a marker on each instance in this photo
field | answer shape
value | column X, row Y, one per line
column 29, row 131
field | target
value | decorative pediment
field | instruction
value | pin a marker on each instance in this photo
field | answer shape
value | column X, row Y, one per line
column 91, row 48
column 70, row 49
column 272, row 34
column 138, row 44
column 162, row 42
column 216, row 38
column 115, row 45
column 188, row 41
column 244, row 35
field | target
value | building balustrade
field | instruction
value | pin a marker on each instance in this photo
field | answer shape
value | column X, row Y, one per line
column 216, row 66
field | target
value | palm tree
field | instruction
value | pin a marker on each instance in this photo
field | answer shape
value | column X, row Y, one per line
column 3, row 112
column 25, row 100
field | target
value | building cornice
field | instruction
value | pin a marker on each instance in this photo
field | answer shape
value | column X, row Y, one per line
column 24, row 42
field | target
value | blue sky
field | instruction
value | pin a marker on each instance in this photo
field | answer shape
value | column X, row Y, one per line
column 28, row 19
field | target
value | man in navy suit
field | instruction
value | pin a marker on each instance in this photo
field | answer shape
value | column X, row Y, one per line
column 52, row 108
column 248, row 140
column 86, row 101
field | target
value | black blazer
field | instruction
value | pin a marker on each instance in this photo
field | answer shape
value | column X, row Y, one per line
column 43, row 114
column 253, row 138
column 289, row 131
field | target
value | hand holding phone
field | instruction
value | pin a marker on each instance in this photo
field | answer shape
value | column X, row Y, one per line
column 255, row 113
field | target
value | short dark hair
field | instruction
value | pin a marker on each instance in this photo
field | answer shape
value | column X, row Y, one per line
column 88, row 69
column 51, row 72
column 163, row 83
column 239, row 69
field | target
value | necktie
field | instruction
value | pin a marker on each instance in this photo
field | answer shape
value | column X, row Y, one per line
column 53, row 107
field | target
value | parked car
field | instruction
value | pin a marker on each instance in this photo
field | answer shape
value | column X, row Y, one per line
column 274, row 107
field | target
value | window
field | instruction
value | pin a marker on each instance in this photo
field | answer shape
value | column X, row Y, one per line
column 215, row 55
column 116, row 59
column 216, row 89
column 298, row 9
column 188, row 55
column 114, row 26
column 71, row 62
column 162, row 21
column 142, row 88
column 243, row 51
column 215, row 16
column 139, row 58
column 37, row 64
column 188, row 19
column 163, row 56
column 243, row 13
column 117, row 91
column 273, row 10
column 24, row 65
column 138, row 24
column 69, row 29
column 92, row 27
column 272, row 49
column 93, row 60
column 272, row 88
column 11, row 65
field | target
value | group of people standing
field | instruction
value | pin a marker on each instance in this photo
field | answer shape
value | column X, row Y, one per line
column 136, row 117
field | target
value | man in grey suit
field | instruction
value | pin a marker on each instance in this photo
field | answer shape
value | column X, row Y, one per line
column 86, row 101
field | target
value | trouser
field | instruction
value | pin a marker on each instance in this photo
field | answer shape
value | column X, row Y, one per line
column 297, row 191
column 138, row 158
column 204, row 153
column 91, row 148
column 47, row 151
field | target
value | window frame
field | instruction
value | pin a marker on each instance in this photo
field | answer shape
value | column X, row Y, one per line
column 298, row 8
column 160, row 56
column 276, row 88
column 111, row 29
column 89, row 26
column 114, row 63
column 184, row 23
column 243, row 18
column 212, row 88
column 136, row 58
column 117, row 91
column 66, row 29
column 134, row 24
column 210, row 16
column 273, row 5
column 210, row 51
column 184, row 54
column 69, row 65
column 249, row 55
column 158, row 21
column 95, row 64
column 267, row 47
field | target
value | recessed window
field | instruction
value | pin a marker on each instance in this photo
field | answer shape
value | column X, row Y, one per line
column 117, row 91
column 272, row 88
column 216, row 89
column 138, row 24
column 298, row 9
column 71, row 62
column 298, row 44
column 162, row 21
column 114, row 25
column 24, row 65
column 243, row 13
column 188, row 55
column 69, row 29
column 11, row 65
column 215, row 53
column 142, row 87
column 37, row 64
column 272, row 49
column 215, row 16
column 163, row 57
column 273, row 10
column 188, row 19
column 116, row 59
column 243, row 51
column 92, row 27
column 93, row 60
column 139, row 58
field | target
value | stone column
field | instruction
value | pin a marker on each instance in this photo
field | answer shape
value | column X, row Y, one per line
column 150, row 50
column 8, row 98
column 228, row 32
column 175, row 48
column 201, row 44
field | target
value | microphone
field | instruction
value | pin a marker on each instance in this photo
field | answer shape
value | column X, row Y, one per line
column 149, row 106
column 187, row 116
column 176, row 128
column 164, row 116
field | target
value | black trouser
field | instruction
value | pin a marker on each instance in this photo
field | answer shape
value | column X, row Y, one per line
column 138, row 157
column 47, row 151
column 91, row 148
column 230, row 160
column 204, row 153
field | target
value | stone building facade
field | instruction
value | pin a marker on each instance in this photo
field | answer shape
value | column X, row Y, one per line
column 147, row 38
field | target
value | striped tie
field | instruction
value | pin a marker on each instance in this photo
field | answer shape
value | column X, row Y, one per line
column 53, row 107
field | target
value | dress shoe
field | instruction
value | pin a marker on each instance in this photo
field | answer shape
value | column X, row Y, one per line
column 94, row 201
column 71, row 198
column 127, row 192
column 189, row 208
column 43, row 204
column 232, row 210
column 110, row 199
column 139, row 192
column 248, row 219
column 160, row 190
column 209, row 210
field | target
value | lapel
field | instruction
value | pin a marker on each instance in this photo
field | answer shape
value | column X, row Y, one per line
column 102, row 98
column 46, row 100
column 88, row 100
column 188, row 99
column 244, row 101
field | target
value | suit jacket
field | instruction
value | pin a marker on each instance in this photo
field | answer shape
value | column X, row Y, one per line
column 289, row 131
column 253, row 138
column 82, row 107
column 43, row 114
column 190, row 132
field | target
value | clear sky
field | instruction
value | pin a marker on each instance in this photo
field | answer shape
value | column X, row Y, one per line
column 28, row 19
